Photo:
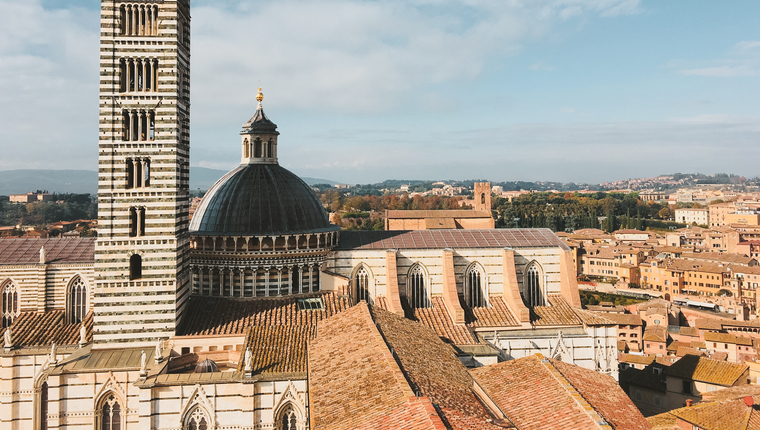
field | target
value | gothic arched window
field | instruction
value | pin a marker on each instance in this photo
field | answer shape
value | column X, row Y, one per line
column 77, row 300
column 361, row 283
column 416, row 287
column 110, row 414
column 532, row 289
column 196, row 420
column 10, row 305
column 288, row 419
column 475, row 293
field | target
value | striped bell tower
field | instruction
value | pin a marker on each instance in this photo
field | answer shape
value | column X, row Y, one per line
column 141, row 256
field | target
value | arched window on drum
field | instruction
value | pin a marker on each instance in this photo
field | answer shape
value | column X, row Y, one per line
column 362, row 282
column 475, row 288
column 533, row 288
column 417, row 287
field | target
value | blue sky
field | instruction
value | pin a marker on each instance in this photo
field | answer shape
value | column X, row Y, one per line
column 362, row 91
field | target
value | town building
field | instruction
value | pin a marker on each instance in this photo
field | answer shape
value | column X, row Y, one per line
column 692, row 216
column 30, row 197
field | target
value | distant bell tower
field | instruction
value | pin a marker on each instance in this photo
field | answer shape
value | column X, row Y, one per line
column 482, row 196
column 141, row 256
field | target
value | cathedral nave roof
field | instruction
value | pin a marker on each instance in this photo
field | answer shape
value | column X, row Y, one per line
column 439, row 239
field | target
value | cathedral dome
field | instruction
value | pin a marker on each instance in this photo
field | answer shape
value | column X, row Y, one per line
column 260, row 199
column 206, row 366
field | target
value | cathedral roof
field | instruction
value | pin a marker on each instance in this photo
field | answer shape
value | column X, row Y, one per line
column 57, row 250
column 260, row 199
column 438, row 239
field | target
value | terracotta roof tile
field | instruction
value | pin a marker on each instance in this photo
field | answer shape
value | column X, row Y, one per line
column 424, row 239
column 416, row 214
column 625, row 319
column 729, row 415
column 603, row 393
column 557, row 313
column 665, row 421
column 57, row 250
column 34, row 329
column 656, row 333
column 437, row 318
column 495, row 315
column 706, row 370
column 277, row 349
column 531, row 395
column 433, row 369
column 592, row 318
column 217, row 315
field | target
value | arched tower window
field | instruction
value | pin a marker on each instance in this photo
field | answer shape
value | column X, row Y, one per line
column 77, row 300
column 475, row 292
column 110, row 413
column 361, row 283
column 10, row 305
column 257, row 148
column 288, row 419
column 483, row 198
column 135, row 267
column 416, row 287
column 246, row 149
column 532, row 289
column 196, row 420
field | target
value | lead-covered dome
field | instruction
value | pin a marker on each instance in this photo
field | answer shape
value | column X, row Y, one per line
column 260, row 199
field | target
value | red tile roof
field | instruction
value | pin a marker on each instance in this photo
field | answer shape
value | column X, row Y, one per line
column 36, row 329
column 535, row 394
column 438, row 319
column 355, row 381
column 217, row 315
column 277, row 349
column 495, row 315
column 439, row 239
column 557, row 313
column 433, row 369
column 703, row 369
column 605, row 395
column 57, row 250
column 445, row 213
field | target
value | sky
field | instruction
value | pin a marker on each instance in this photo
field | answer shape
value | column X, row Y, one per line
column 363, row 91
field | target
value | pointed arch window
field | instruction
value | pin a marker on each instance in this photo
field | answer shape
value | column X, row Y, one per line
column 417, row 288
column 196, row 420
column 361, row 283
column 10, row 305
column 288, row 419
column 475, row 292
column 533, row 289
column 110, row 414
column 77, row 300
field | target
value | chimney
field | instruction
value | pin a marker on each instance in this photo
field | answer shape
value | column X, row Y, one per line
column 749, row 401
column 689, row 402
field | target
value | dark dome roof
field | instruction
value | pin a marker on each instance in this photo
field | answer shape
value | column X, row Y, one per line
column 206, row 366
column 260, row 199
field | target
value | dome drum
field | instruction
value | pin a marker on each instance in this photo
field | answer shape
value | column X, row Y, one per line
column 265, row 245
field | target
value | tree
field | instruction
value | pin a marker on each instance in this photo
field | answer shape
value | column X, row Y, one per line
column 664, row 213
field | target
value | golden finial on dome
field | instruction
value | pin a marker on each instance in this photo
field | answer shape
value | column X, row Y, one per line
column 260, row 95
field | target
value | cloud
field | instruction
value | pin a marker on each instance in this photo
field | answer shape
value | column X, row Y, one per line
column 720, row 72
column 542, row 66
column 580, row 152
column 747, row 46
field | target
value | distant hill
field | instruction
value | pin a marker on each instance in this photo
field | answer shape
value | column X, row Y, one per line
column 86, row 181
column 58, row 181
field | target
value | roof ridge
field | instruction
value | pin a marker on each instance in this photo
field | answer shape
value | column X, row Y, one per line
column 574, row 393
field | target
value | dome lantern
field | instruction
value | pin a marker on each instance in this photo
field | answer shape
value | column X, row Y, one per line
column 259, row 137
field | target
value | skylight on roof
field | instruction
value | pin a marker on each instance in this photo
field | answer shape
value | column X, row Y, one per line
column 311, row 304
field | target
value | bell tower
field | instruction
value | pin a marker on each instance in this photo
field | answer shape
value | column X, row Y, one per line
column 141, row 255
column 482, row 196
